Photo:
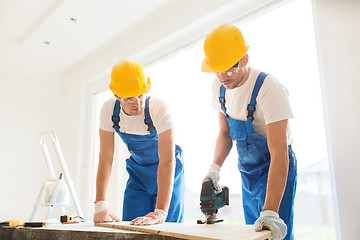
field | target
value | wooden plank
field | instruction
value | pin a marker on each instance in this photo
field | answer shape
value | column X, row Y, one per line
column 196, row 231
column 85, row 230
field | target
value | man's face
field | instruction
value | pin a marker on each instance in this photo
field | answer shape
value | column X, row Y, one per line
column 235, row 76
column 230, row 78
column 133, row 105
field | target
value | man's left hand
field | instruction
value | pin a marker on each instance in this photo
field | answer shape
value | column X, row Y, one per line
column 270, row 220
column 156, row 217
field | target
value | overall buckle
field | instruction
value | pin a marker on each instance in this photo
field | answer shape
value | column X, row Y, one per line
column 116, row 120
column 251, row 109
column 222, row 102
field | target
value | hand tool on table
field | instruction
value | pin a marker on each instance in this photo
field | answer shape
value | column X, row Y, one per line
column 65, row 219
column 210, row 202
column 19, row 223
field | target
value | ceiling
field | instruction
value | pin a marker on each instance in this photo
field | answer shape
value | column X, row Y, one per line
column 48, row 36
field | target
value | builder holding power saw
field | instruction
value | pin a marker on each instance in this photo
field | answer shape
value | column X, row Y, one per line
column 254, row 111
column 155, row 189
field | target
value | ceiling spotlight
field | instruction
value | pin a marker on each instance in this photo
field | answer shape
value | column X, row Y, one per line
column 73, row 19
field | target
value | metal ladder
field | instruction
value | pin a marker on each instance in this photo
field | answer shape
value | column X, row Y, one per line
column 48, row 186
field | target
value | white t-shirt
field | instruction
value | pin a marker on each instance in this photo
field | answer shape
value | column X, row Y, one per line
column 272, row 102
column 159, row 113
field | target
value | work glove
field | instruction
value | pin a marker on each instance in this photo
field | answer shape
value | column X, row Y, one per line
column 103, row 213
column 156, row 217
column 214, row 175
column 270, row 220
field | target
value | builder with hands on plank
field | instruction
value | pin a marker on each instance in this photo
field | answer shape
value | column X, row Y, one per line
column 155, row 189
column 253, row 109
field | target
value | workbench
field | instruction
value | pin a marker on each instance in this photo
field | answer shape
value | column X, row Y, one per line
column 74, row 231
column 122, row 230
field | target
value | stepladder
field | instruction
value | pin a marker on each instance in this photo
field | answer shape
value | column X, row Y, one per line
column 57, row 191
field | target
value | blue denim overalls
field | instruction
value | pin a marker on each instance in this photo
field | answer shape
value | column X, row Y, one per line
column 141, row 187
column 253, row 164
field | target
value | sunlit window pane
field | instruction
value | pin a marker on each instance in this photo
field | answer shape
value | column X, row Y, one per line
column 282, row 43
column 285, row 49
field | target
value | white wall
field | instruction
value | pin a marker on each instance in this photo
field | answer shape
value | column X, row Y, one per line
column 338, row 37
column 28, row 107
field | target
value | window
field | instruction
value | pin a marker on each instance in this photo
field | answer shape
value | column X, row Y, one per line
column 282, row 43
column 287, row 50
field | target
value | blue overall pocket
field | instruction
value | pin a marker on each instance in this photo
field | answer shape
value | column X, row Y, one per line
column 144, row 153
column 237, row 129
column 254, row 156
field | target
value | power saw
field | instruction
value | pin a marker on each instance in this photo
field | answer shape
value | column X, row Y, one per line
column 210, row 202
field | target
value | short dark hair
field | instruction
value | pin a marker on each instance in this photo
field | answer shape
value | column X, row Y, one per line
column 236, row 65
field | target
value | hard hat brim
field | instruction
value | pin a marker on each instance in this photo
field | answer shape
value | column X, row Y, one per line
column 206, row 68
column 144, row 90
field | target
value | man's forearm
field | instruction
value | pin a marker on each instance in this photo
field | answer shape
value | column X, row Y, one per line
column 277, row 178
column 279, row 164
column 222, row 149
column 102, row 179
column 165, row 179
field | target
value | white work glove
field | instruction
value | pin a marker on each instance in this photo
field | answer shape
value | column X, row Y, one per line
column 156, row 217
column 103, row 213
column 214, row 175
column 270, row 220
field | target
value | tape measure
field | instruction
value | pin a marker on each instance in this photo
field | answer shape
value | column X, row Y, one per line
column 69, row 219
column 66, row 219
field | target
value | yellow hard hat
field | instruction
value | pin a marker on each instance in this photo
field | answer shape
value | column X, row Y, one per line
column 223, row 48
column 127, row 79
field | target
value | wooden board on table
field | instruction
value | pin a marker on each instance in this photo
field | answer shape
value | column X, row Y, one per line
column 76, row 231
column 196, row 231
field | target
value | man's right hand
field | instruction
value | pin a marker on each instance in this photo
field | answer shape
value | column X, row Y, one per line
column 103, row 212
column 214, row 175
column 270, row 220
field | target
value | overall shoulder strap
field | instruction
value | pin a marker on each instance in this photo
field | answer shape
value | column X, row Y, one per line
column 251, row 107
column 147, row 119
column 222, row 99
column 115, row 117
